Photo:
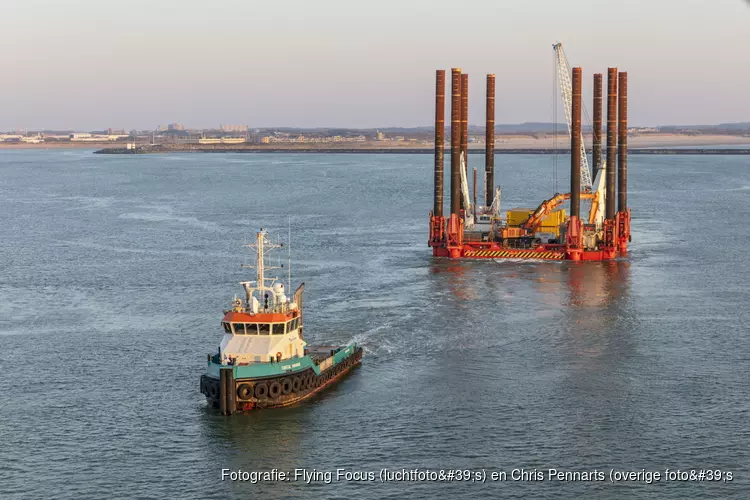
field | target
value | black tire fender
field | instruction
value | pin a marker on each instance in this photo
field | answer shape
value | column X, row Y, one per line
column 286, row 386
column 296, row 384
column 245, row 391
column 274, row 389
column 261, row 390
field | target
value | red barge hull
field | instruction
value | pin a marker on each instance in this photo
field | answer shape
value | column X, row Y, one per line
column 541, row 253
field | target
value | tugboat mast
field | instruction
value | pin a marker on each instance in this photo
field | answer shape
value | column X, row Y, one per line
column 260, row 267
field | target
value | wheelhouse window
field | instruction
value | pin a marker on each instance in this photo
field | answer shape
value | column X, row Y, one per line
column 226, row 327
column 278, row 328
column 239, row 328
column 264, row 329
column 252, row 328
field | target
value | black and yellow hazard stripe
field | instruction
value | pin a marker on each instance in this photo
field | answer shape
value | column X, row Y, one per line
column 513, row 254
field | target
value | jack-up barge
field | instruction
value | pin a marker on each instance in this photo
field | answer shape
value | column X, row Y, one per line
column 545, row 232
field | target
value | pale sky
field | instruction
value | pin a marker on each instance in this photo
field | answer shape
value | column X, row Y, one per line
column 92, row 64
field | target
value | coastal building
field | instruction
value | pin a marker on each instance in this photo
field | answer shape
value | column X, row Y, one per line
column 234, row 129
column 233, row 140
column 89, row 137
column 176, row 126
column 221, row 140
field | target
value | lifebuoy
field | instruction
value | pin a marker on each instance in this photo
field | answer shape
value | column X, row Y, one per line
column 261, row 390
column 296, row 384
column 274, row 389
column 245, row 391
column 278, row 357
column 286, row 386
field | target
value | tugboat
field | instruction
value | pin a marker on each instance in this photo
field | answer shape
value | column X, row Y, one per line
column 263, row 360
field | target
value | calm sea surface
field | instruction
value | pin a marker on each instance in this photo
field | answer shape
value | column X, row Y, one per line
column 114, row 271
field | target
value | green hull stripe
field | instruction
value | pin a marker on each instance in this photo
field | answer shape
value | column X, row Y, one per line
column 259, row 370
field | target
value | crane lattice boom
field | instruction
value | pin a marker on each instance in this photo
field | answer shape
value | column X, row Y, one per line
column 566, row 90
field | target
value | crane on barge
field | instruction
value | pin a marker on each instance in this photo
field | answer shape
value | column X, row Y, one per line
column 546, row 232
column 566, row 91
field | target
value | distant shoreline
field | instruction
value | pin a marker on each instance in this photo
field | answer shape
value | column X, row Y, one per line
column 407, row 151
column 504, row 144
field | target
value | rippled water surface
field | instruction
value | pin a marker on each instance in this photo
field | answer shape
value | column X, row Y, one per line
column 115, row 271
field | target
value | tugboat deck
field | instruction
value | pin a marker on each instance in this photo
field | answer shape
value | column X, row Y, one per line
column 320, row 353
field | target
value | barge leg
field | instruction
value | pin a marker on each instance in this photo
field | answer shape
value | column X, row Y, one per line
column 575, row 145
column 610, row 226
column 622, row 143
column 437, row 221
column 455, row 140
column 454, row 230
column 437, row 208
column 489, row 147
column 574, row 236
column 465, row 127
column 597, row 134
column 623, row 212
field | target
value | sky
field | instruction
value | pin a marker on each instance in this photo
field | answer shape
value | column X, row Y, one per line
column 93, row 64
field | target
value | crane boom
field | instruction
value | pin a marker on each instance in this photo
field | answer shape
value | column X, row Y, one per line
column 547, row 206
column 468, row 209
column 566, row 90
